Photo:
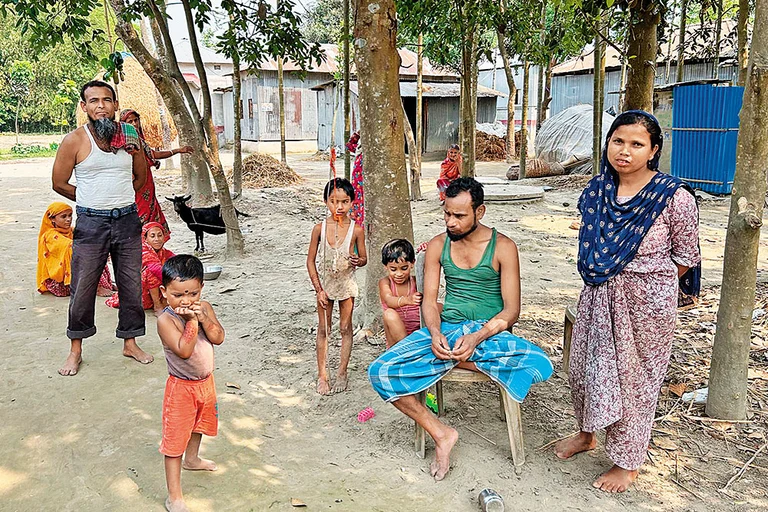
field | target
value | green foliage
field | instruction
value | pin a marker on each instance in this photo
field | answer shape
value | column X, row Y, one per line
column 33, row 149
column 63, row 63
column 323, row 21
column 445, row 24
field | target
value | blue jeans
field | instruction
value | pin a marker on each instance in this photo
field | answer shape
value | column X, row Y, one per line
column 99, row 234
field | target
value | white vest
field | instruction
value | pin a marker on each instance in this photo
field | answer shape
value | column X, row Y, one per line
column 104, row 180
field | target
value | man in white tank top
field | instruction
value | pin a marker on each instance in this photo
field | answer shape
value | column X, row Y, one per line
column 107, row 177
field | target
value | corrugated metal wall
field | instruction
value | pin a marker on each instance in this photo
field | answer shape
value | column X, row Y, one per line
column 705, row 139
column 486, row 79
column 325, row 105
column 261, row 108
column 570, row 90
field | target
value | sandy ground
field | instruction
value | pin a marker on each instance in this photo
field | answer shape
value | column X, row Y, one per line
column 90, row 442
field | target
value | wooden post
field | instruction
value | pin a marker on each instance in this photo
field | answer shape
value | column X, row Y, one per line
column 281, row 101
column 347, row 104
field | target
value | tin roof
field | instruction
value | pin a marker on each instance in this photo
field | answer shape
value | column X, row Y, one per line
column 429, row 89
column 585, row 62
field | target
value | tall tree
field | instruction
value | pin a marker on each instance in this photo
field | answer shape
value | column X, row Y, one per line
column 642, row 49
column 416, row 176
column 598, row 95
column 730, row 354
column 743, row 19
column 524, row 128
column 388, row 212
column 237, row 105
column 681, row 40
column 502, row 28
column 19, row 77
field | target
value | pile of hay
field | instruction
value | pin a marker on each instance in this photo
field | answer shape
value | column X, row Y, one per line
column 138, row 93
column 263, row 171
column 491, row 148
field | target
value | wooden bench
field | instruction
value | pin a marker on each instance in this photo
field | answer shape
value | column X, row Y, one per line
column 509, row 409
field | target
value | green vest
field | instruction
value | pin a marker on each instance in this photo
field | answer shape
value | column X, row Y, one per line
column 471, row 294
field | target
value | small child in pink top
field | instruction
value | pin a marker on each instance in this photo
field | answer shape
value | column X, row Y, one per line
column 399, row 298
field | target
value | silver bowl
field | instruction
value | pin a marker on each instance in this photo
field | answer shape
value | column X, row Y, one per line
column 211, row 272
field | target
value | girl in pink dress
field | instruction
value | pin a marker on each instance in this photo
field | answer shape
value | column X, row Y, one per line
column 638, row 244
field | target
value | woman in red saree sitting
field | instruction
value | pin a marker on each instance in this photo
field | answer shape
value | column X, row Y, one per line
column 450, row 170
column 153, row 255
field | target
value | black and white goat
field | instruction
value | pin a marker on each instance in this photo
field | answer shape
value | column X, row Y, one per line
column 201, row 220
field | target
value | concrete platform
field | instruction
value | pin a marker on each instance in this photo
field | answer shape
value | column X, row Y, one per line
column 513, row 193
column 492, row 180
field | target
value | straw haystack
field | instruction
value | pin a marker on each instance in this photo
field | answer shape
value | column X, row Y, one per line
column 138, row 92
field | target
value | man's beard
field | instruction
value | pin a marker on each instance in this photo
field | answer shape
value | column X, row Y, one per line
column 459, row 236
column 104, row 128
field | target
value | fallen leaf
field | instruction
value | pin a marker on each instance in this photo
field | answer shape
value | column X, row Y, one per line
column 233, row 385
column 677, row 389
column 295, row 502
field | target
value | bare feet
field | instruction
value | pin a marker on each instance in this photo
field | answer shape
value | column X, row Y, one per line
column 443, row 446
column 131, row 349
column 103, row 292
column 323, row 387
column 199, row 465
column 175, row 506
column 570, row 446
column 71, row 365
column 615, row 479
column 341, row 383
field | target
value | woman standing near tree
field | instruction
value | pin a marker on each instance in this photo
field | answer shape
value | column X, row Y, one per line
column 638, row 244
column 146, row 200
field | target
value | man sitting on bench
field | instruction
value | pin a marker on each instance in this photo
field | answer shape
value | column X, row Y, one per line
column 482, row 301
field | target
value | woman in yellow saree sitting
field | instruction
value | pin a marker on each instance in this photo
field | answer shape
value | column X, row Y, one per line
column 54, row 254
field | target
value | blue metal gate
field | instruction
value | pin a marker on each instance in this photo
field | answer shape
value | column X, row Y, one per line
column 705, row 130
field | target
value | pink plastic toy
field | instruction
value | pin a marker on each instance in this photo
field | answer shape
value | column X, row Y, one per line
column 365, row 415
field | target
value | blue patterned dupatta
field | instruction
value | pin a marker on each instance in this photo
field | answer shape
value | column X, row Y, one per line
column 611, row 233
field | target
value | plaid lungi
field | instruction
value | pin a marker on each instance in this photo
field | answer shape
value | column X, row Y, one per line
column 410, row 366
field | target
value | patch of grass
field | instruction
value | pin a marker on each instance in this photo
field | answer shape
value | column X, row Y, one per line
column 29, row 151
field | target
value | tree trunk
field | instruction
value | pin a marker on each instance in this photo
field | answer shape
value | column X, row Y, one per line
column 742, row 37
column 524, row 129
column 146, row 39
column 387, row 209
column 235, row 242
column 730, row 355
column 347, row 101
column 547, row 91
column 281, row 105
column 419, row 103
column 195, row 176
column 668, row 67
column 237, row 103
column 718, row 6
column 598, row 96
column 643, row 46
column 468, row 103
column 18, row 107
column 413, row 158
column 681, row 45
column 511, row 150
column 539, row 71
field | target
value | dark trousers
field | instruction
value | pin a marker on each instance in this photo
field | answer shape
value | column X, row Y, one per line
column 95, row 238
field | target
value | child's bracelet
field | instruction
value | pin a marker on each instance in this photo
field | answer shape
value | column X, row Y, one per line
column 398, row 302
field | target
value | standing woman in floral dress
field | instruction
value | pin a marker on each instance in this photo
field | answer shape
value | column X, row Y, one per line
column 638, row 244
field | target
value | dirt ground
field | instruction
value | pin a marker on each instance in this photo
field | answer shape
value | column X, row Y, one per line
column 90, row 442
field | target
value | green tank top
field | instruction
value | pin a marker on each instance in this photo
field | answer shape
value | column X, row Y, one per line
column 471, row 294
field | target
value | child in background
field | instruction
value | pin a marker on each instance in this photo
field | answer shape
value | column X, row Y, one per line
column 399, row 298
column 188, row 329
column 340, row 245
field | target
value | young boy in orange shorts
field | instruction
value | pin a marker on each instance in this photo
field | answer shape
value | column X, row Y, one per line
column 188, row 329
